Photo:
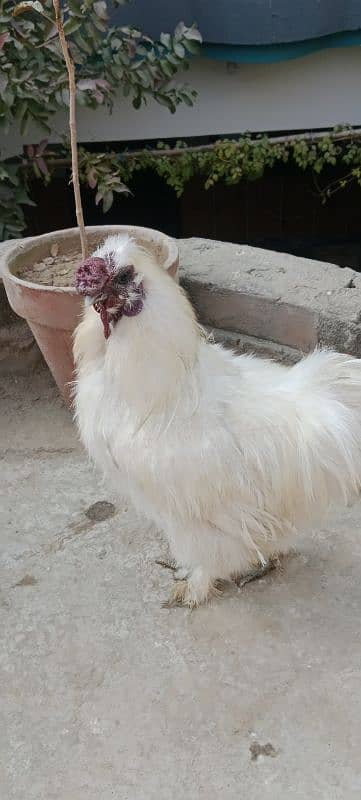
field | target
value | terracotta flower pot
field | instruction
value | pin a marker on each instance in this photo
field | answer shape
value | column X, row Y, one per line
column 53, row 312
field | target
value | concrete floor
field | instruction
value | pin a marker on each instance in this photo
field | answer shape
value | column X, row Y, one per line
column 105, row 695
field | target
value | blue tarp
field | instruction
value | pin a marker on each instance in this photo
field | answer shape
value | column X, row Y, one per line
column 270, row 53
column 246, row 22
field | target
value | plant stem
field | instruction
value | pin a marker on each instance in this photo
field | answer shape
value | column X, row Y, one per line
column 72, row 125
column 173, row 152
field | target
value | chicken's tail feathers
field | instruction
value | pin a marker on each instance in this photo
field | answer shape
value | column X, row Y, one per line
column 329, row 432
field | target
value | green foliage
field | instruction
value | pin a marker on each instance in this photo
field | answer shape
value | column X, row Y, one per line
column 102, row 172
column 33, row 77
column 227, row 161
column 34, row 84
column 232, row 160
column 13, row 196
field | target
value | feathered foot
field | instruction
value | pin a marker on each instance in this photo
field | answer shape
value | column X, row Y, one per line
column 195, row 591
column 182, row 595
column 255, row 574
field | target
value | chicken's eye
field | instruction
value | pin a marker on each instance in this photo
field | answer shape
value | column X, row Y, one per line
column 123, row 277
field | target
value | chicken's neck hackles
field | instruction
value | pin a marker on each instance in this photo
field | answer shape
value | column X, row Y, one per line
column 160, row 344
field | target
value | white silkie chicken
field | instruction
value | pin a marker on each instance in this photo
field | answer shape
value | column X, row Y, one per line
column 229, row 455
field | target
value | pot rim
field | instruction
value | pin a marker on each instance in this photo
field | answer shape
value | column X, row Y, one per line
column 21, row 245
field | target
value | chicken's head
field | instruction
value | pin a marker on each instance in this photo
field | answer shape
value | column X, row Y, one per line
column 114, row 290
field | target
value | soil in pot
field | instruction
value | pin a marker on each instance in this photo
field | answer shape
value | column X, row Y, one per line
column 53, row 270
column 58, row 265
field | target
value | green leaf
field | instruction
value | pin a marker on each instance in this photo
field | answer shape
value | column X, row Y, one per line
column 172, row 59
column 143, row 76
column 179, row 50
column 193, row 34
column 92, row 178
column 116, row 43
column 24, row 124
column 186, row 98
column 21, row 110
column 166, row 40
column 165, row 100
column 137, row 101
column 123, row 58
column 72, row 24
column 191, row 47
column 99, row 24
column 4, row 37
column 28, row 5
column 168, row 69
column 83, row 44
column 50, row 30
column 75, row 7
column 122, row 188
column 100, row 8
column 107, row 201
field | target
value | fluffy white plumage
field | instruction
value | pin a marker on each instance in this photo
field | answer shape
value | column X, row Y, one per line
column 230, row 455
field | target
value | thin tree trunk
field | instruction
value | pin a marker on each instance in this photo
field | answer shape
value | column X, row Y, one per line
column 72, row 125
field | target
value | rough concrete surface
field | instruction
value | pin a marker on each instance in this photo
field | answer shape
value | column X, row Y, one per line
column 280, row 276
column 18, row 349
column 296, row 302
column 105, row 695
column 264, row 348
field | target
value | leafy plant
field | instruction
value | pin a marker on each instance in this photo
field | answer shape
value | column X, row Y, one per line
column 13, row 196
column 34, row 81
column 33, row 84
column 226, row 160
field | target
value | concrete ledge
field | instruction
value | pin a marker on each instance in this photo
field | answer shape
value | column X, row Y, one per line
column 294, row 302
column 250, row 344
column 273, row 304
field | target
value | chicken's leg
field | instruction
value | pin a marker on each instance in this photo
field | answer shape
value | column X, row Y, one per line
column 197, row 589
column 191, row 593
column 179, row 573
column 166, row 564
column 255, row 574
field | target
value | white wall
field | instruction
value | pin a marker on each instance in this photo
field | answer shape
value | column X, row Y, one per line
column 317, row 91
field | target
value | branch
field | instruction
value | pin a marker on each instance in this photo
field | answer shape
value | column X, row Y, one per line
column 174, row 152
column 72, row 125
column 289, row 139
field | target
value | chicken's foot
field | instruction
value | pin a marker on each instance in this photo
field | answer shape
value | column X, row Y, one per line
column 179, row 573
column 257, row 573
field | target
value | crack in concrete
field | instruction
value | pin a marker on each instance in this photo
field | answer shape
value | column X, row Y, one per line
column 37, row 452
